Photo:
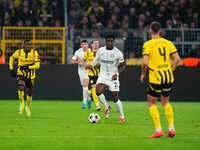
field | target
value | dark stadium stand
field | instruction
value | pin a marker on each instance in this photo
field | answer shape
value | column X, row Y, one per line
column 31, row 13
column 116, row 14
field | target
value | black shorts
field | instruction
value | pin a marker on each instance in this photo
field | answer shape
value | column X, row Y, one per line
column 92, row 80
column 156, row 90
column 28, row 82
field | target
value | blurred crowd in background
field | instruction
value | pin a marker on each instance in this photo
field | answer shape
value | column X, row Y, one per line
column 31, row 13
column 116, row 14
column 127, row 19
column 111, row 14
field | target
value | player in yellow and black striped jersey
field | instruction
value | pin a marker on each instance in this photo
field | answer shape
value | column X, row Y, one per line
column 28, row 62
column 93, row 74
column 157, row 55
column 161, row 77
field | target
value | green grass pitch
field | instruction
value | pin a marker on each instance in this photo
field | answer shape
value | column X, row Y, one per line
column 63, row 125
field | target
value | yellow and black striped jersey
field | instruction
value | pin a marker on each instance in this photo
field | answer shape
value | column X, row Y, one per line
column 89, row 57
column 30, row 59
column 159, row 51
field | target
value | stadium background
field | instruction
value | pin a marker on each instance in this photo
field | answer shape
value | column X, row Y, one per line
column 56, row 28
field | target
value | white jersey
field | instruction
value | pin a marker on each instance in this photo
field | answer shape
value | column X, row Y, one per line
column 110, row 59
column 79, row 54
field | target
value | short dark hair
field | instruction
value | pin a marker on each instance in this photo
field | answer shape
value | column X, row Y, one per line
column 155, row 26
column 84, row 41
column 110, row 36
column 93, row 41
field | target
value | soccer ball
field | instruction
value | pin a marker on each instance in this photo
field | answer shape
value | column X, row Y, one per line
column 94, row 118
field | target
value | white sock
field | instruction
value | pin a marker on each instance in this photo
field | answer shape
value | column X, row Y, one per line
column 102, row 100
column 119, row 108
column 158, row 129
column 85, row 94
column 171, row 128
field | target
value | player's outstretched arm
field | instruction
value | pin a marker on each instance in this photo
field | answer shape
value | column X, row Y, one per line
column 175, row 60
column 75, row 61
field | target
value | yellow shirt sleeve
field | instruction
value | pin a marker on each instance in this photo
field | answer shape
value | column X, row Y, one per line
column 146, row 49
column 14, row 56
column 172, row 48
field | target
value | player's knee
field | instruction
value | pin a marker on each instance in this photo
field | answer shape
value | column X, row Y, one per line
column 164, row 103
column 85, row 83
column 20, row 87
column 115, row 99
column 151, row 104
column 98, row 92
column 29, row 92
column 164, row 100
column 115, row 96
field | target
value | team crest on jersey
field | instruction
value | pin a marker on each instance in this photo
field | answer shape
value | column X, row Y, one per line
column 112, row 55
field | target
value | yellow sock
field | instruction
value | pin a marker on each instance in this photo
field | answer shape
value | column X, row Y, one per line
column 21, row 96
column 155, row 116
column 94, row 96
column 28, row 101
column 169, row 114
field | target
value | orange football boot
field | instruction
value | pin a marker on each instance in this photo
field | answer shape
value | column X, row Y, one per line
column 171, row 133
column 157, row 134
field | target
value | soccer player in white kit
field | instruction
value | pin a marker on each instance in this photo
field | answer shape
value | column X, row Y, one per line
column 112, row 63
column 82, row 72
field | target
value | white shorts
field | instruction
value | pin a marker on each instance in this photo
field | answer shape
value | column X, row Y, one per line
column 82, row 77
column 113, row 85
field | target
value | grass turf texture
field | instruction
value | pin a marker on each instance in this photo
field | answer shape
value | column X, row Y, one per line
column 61, row 125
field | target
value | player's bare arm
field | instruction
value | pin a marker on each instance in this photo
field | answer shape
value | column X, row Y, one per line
column 145, row 60
column 88, row 66
column 76, row 61
column 175, row 60
column 99, row 63
column 84, row 63
column 121, row 68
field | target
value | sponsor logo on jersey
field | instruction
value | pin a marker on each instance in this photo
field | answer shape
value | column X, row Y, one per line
column 107, row 61
column 27, row 60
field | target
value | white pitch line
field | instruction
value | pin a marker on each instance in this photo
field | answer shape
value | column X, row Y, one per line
column 95, row 137
column 114, row 137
